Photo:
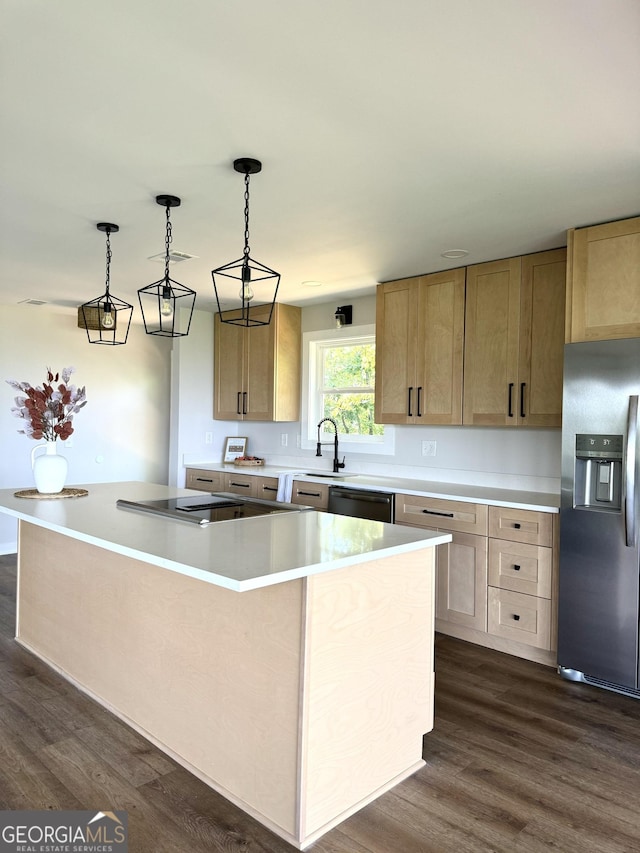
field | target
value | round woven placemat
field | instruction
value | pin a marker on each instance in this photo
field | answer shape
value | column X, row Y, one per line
column 65, row 493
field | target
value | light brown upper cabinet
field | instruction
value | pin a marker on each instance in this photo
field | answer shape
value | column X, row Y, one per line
column 603, row 282
column 419, row 349
column 514, row 337
column 257, row 370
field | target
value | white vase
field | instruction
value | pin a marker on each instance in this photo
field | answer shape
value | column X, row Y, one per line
column 49, row 469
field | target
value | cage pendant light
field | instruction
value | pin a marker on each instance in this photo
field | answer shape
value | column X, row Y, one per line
column 250, row 304
column 160, row 301
column 106, row 318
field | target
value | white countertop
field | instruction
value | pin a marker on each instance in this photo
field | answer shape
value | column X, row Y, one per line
column 240, row 555
column 538, row 501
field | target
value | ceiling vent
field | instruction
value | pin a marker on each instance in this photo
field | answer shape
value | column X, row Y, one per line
column 32, row 302
column 174, row 257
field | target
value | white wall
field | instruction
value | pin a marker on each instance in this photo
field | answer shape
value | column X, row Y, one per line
column 192, row 401
column 123, row 431
column 500, row 458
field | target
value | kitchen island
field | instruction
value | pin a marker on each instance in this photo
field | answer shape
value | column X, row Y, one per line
column 285, row 660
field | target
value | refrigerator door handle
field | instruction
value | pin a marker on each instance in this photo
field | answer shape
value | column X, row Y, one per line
column 631, row 485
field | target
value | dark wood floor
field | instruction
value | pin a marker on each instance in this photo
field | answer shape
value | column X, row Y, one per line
column 519, row 761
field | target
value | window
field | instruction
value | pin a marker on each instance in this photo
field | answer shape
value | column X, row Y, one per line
column 340, row 384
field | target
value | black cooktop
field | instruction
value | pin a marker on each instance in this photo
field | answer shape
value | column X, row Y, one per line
column 204, row 509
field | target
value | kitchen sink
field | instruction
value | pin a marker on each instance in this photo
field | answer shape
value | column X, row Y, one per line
column 328, row 476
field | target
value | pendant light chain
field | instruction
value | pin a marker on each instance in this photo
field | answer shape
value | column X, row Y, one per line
column 108, row 276
column 246, row 218
column 167, row 242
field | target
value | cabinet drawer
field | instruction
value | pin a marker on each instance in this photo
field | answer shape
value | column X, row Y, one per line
column 203, row 480
column 310, row 494
column 520, row 525
column 520, row 567
column 241, row 484
column 516, row 616
column 458, row 516
column 266, row 488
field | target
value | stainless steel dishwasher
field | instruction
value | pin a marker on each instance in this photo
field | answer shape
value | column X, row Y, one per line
column 361, row 503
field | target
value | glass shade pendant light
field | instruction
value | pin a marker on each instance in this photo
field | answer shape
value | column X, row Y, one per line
column 106, row 318
column 161, row 301
column 253, row 279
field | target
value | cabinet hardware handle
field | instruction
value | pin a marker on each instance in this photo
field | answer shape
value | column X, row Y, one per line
column 516, row 568
column 203, row 480
column 433, row 512
column 269, row 489
column 517, row 525
column 522, row 411
column 238, row 412
column 419, row 412
column 409, row 412
column 516, row 617
column 244, row 402
column 309, row 494
column 241, row 485
column 510, row 396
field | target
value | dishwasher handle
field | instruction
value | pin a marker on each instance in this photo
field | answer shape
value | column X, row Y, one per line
column 363, row 496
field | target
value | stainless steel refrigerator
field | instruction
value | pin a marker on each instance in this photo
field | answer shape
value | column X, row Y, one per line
column 599, row 600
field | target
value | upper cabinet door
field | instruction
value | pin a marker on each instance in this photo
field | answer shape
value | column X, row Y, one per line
column 259, row 378
column 419, row 345
column 542, row 306
column 228, row 360
column 603, row 294
column 491, row 343
column 396, row 317
column 440, row 345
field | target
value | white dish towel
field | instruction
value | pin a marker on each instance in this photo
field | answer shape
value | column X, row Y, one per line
column 285, row 486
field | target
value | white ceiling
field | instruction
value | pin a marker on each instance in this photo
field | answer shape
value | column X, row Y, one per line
column 390, row 131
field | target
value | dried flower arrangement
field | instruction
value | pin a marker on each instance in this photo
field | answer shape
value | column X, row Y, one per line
column 48, row 410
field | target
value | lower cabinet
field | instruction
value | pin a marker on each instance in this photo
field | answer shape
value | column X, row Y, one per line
column 461, row 581
column 266, row 488
column 310, row 494
column 204, row 481
column 496, row 580
column 241, row 484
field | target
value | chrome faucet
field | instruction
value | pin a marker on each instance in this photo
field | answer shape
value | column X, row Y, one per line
column 336, row 464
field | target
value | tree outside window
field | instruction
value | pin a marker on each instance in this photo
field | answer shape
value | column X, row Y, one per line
column 346, row 382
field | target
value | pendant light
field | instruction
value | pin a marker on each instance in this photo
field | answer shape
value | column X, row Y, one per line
column 160, row 302
column 247, row 271
column 106, row 318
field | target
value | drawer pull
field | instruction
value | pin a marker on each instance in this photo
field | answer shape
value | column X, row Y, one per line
column 308, row 494
column 269, row 489
column 433, row 512
column 517, row 525
column 516, row 617
column 241, row 485
column 516, row 568
column 203, row 480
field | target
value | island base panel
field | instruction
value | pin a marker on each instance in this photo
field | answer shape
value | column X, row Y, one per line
column 301, row 701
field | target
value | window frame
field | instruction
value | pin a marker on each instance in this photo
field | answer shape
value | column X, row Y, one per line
column 313, row 342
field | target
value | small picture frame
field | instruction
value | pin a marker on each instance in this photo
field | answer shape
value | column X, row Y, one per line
column 234, row 446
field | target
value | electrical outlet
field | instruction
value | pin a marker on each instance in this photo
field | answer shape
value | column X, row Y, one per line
column 284, row 439
column 208, row 438
column 428, row 448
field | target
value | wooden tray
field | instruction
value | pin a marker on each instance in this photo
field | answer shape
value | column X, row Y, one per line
column 248, row 463
column 65, row 493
